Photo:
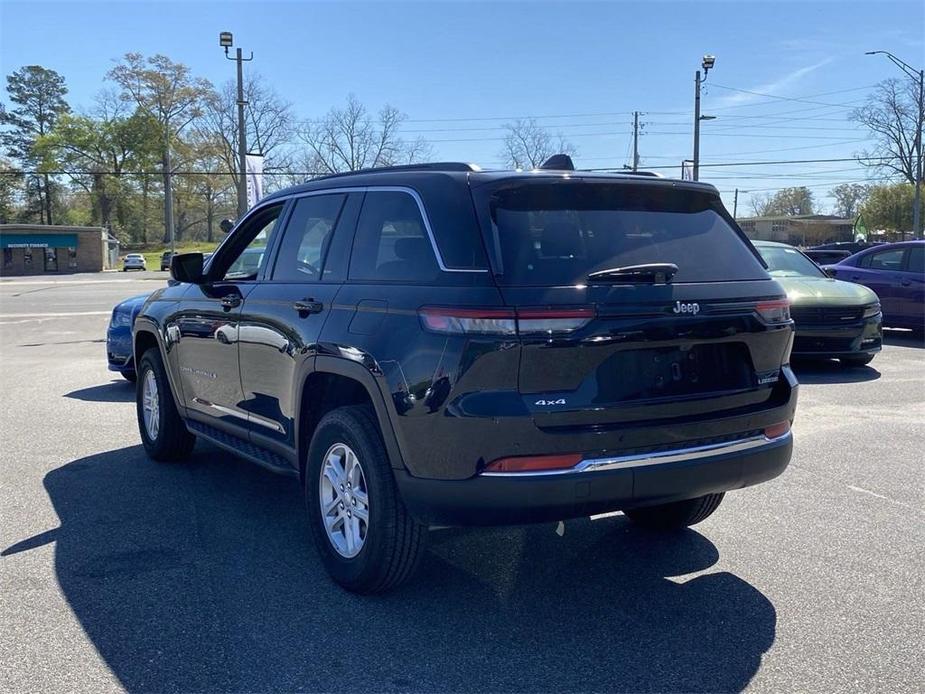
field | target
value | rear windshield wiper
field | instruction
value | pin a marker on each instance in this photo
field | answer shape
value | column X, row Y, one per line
column 656, row 273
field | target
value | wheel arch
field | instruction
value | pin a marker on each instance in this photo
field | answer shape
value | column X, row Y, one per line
column 333, row 383
column 146, row 336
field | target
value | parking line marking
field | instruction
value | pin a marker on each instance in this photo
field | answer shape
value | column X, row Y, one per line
column 861, row 490
column 21, row 317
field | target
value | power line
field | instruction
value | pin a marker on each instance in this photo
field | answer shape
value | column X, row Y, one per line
column 787, row 98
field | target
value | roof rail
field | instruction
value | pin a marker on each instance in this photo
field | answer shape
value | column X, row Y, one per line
column 643, row 173
column 425, row 166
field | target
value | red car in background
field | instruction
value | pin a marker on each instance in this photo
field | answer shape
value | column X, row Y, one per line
column 896, row 272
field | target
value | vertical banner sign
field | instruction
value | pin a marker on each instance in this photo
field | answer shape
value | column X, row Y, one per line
column 254, row 179
column 687, row 170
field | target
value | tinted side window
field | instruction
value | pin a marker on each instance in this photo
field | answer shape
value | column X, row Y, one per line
column 887, row 260
column 391, row 242
column 307, row 237
column 916, row 262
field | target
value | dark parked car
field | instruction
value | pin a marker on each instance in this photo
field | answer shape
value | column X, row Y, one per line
column 119, row 336
column 439, row 345
column 850, row 246
column 896, row 272
column 833, row 318
column 165, row 260
column 824, row 257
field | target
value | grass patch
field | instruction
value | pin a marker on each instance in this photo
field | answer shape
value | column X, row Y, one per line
column 153, row 254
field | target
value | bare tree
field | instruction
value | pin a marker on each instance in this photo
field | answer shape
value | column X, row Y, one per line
column 785, row 202
column 268, row 120
column 528, row 144
column 761, row 204
column 892, row 115
column 349, row 139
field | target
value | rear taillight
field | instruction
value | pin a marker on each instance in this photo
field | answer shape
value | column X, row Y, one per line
column 490, row 321
column 486, row 321
column 777, row 311
column 777, row 430
column 534, row 463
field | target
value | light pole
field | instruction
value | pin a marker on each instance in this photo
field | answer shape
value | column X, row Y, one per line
column 917, row 165
column 225, row 40
column 707, row 64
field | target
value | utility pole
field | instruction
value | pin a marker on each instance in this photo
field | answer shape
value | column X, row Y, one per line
column 735, row 205
column 635, row 140
column 225, row 40
column 168, row 191
column 916, row 167
column 708, row 62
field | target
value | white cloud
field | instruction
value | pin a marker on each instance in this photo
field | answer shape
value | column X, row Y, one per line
column 772, row 88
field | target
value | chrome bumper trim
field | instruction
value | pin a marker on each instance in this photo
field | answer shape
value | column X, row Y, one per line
column 645, row 459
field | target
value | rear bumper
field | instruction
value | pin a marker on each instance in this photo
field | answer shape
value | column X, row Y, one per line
column 858, row 337
column 603, row 485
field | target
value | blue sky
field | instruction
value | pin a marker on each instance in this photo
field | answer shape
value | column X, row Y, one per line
column 459, row 70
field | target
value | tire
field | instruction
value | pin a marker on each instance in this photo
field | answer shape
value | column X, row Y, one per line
column 129, row 376
column 859, row 360
column 390, row 549
column 677, row 515
column 165, row 437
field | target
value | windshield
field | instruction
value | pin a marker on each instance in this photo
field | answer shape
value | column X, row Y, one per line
column 558, row 233
column 788, row 262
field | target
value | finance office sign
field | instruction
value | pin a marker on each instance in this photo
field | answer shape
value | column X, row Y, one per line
column 38, row 241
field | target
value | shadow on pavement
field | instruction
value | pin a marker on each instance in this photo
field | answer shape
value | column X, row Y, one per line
column 832, row 371
column 114, row 391
column 201, row 576
column 902, row 338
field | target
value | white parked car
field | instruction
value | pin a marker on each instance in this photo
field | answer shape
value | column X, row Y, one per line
column 134, row 261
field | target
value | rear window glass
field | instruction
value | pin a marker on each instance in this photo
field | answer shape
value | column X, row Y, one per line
column 556, row 234
column 788, row 262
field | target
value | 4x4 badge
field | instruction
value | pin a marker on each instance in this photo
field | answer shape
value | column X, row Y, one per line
column 692, row 308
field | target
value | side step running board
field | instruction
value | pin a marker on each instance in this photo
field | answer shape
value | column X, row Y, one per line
column 243, row 448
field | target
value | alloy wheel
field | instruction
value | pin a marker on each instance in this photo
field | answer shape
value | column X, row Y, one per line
column 344, row 500
column 151, row 405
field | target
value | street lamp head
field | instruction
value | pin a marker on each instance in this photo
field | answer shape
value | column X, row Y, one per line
column 708, row 62
column 225, row 40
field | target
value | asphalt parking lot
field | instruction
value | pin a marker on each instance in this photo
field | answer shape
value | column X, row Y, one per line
column 120, row 573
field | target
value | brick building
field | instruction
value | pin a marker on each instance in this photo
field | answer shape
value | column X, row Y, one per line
column 798, row 230
column 38, row 249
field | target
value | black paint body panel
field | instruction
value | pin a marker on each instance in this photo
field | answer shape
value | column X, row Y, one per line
column 448, row 404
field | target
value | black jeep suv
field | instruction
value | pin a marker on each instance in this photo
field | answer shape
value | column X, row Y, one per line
column 439, row 345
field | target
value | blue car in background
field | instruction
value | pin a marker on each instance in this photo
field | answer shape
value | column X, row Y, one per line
column 896, row 272
column 119, row 336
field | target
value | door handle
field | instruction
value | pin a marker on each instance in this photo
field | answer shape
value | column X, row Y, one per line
column 308, row 306
column 230, row 301
column 906, row 283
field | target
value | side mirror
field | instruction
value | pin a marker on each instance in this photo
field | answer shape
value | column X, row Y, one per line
column 186, row 267
column 226, row 225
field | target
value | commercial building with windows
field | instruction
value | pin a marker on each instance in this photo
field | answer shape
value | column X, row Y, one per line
column 798, row 230
column 38, row 249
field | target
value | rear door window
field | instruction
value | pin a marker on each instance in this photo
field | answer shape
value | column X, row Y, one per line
column 556, row 234
column 887, row 260
column 307, row 237
column 391, row 242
